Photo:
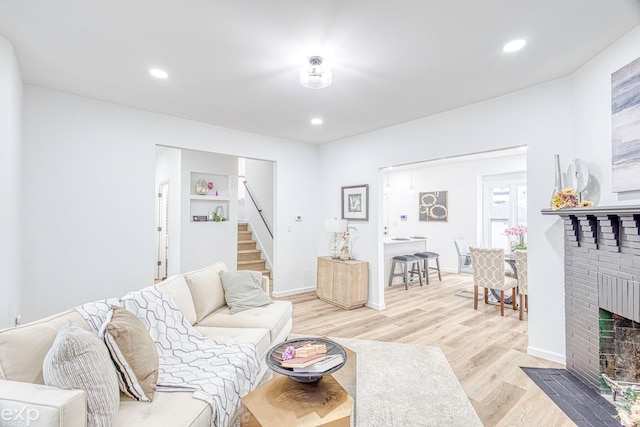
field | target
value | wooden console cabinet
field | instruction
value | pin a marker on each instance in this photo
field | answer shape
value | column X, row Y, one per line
column 343, row 283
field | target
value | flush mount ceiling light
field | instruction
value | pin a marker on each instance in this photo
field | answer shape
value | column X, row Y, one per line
column 158, row 73
column 315, row 76
column 514, row 45
column 316, row 121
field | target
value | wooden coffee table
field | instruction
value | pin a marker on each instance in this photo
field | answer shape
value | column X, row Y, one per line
column 281, row 401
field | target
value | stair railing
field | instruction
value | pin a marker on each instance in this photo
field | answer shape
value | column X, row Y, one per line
column 255, row 203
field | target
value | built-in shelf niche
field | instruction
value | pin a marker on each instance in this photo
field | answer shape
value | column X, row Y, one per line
column 202, row 206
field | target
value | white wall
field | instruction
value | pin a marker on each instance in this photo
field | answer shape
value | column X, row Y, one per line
column 539, row 117
column 259, row 175
column 11, row 186
column 203, row 243
column 91, row 213
column 168, row 169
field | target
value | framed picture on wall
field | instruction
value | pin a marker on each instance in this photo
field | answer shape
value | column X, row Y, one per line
column 355, row 203
column 433, row 207
column 625, row 128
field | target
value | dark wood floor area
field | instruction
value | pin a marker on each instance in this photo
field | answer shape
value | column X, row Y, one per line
column 484, row 349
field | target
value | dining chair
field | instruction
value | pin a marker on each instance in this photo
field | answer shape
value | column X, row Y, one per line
column 488, row 273
column 523, row 279
column 464, row 257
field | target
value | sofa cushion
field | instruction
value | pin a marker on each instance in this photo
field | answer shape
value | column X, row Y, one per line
column 78, row 359
column 178, row 290
column 167, row 409
column 133, row 353
column 23, row 348
column 206, row 289
column 258, row 336
column 243, row 290
column 273, row 317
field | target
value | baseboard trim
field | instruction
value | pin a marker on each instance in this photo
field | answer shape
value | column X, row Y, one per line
column 547, row 355
column 375, row 306
column 294, row 292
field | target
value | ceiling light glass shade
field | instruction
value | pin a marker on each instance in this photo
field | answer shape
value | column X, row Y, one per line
column 315, row 76
column 514, row 46
column 158, row 73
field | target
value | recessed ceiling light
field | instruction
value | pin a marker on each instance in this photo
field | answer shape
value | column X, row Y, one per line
column 514, row 45
column 316, row 121
column 158, row 73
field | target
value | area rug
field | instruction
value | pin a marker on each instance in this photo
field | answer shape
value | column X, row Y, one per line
column 407, row 385
column 582, row 404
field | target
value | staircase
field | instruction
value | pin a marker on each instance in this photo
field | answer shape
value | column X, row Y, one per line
column 249, row 257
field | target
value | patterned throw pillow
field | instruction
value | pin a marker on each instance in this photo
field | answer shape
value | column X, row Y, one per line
column 133, row 352
column 78, row 359
column 243, row 290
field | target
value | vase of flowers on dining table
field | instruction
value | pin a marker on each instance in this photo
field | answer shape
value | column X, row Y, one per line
column 518, row 234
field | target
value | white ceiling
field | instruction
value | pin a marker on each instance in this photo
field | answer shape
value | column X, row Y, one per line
column 235, row 63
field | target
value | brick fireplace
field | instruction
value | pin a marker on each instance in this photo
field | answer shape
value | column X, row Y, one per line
column 602, row 292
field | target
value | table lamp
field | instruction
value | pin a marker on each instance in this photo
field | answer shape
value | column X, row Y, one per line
column 335, row 226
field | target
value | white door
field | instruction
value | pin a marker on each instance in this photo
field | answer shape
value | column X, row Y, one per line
column 163, row 231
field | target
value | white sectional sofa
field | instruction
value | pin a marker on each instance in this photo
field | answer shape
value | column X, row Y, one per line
column 200, row 297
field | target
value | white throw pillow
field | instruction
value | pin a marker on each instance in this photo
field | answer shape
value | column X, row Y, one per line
column 243, row 290
column 133, row 353
column 178, row 290
column 78, row 359
column 206, row 289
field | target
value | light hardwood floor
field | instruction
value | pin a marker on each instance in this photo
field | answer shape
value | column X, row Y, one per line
column 485, row 350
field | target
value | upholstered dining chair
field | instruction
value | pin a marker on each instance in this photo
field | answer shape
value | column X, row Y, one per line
column 523, row 279
column 464, row 257
column 488, row 273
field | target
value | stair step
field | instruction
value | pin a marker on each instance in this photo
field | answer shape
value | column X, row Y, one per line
column 258, row 265
column 245, row 245
column 249, row 255
column 243, row 226
column 245, row 235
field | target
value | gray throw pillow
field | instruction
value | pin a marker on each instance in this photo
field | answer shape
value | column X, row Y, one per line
column 243, row 290
column 78, row 359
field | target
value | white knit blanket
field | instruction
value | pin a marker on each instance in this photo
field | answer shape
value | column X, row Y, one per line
column 219, row 372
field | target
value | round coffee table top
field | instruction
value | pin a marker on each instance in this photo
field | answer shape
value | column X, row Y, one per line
column 274, row 358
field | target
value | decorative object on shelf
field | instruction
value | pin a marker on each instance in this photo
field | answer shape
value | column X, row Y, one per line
column 277, row 354
column 315, row 75
column 202, row 187
column 519, row 233
column 344, row 252
column 199, row 218
column 210, row 185
column 355, row 202
column 218, row 215
column 578, row 176
column 557, row 186
column 625, row 128
column 432, row 206
column 567, row 198
column 335, row 226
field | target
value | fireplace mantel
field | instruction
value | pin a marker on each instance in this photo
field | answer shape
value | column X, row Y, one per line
column 596, row 210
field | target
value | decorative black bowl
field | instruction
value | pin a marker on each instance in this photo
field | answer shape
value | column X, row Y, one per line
column 274, row 357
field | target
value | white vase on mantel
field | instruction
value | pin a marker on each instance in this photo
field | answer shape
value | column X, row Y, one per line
column 558, row 181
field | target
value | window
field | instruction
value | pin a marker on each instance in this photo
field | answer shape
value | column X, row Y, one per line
column 505, row 205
